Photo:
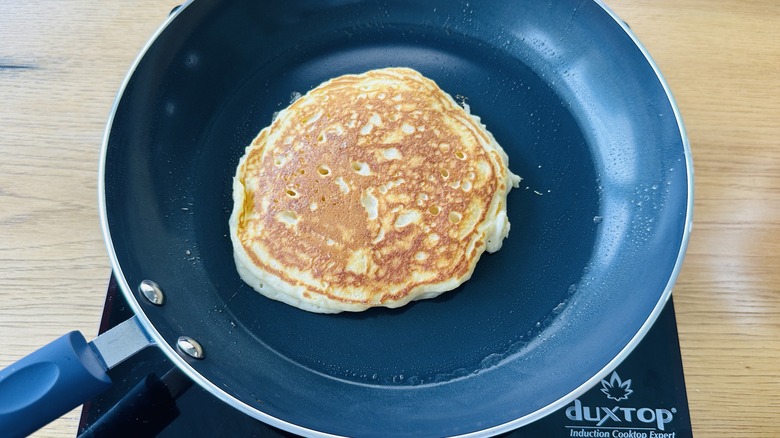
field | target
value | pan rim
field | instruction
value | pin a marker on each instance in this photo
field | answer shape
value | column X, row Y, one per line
column 183, row 365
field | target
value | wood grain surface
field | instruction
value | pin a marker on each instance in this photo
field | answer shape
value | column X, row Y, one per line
column 62, row 62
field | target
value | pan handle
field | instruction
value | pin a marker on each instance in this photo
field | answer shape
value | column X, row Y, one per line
column 60, row 376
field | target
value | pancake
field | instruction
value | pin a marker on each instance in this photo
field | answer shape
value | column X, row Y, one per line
column 370, row 190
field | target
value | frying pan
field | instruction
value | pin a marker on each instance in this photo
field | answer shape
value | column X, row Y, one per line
column 599, row 224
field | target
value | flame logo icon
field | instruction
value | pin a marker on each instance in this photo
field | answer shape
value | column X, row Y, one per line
column 616, row 389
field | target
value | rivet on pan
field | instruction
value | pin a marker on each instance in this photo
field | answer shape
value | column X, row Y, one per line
column 152, row 292
column 190, row 347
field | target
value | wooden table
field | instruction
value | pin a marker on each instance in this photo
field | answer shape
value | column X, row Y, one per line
column 61, row 63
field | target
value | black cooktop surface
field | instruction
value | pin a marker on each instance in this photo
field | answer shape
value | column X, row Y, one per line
column 643, row 397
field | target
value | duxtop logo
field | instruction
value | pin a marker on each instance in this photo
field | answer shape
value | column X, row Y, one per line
column 619, row 421
column 615, row 389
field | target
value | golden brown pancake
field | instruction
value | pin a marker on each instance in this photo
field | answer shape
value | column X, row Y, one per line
column 370, row 190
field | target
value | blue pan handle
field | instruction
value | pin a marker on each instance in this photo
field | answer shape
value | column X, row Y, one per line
column 60, row 376
column 48, row 383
